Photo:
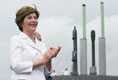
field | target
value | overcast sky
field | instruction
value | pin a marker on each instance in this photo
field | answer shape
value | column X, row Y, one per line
column 56, row 22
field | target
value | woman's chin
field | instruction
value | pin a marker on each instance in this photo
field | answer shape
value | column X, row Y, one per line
column 34, row 29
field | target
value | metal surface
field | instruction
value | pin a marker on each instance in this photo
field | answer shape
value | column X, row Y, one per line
column 74, row 53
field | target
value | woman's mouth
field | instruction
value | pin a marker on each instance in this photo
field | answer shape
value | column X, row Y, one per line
column 33, row 25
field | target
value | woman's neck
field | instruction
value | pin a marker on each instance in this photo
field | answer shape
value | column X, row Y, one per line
column 30, row 35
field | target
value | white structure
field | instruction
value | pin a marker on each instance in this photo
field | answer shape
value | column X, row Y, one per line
column 66, row 72
column 53, row 73
column 102, row 45
column 102, row 57
column 83, row 56
column 83, row 45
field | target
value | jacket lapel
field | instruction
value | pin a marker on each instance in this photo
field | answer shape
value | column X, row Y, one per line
column 29, row 42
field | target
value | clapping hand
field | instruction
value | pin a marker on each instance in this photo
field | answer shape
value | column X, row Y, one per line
column 51, row 53
column 55, row 51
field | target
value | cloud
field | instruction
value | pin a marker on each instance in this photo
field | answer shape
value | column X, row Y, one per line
column 54, row 28
column 58, row 31
column 112, row 44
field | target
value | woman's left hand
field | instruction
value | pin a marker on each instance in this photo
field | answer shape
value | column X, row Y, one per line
column 56, row 51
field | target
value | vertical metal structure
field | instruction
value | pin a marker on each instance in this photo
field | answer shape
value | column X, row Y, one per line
column 102, row 20
column 93, row 47
column 102, row 45
column 74, row 53
column 93, row 68
column 83, row 44
column 84, row 20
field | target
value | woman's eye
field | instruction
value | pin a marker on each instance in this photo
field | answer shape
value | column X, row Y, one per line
column 35, row 17
column 29, row 17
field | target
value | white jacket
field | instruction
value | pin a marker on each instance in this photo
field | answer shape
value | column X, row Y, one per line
column 22, row 53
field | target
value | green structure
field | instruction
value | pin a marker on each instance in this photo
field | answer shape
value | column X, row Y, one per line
column 84, row 21
column 102, row 20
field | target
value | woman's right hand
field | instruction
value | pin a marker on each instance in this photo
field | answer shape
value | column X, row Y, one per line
column 46, row 57
column 50, row 53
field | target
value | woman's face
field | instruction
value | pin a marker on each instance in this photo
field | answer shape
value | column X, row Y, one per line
column 30, row 23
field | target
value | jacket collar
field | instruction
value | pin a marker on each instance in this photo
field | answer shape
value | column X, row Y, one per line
column 28, row 41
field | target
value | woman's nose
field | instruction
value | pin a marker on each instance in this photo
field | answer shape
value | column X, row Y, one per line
column 34, row 20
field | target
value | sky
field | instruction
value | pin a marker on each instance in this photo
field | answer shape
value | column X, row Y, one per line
column 56, row 22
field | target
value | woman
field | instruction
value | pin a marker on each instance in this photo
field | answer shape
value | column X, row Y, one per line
column 30, row 59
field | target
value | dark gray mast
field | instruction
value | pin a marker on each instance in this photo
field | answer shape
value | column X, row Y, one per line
column 74, row 53
column 93, row 47
column 93, row 68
